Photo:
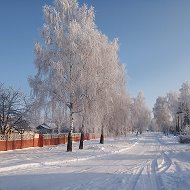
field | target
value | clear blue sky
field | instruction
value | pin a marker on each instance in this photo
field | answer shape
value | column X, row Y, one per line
column 154, row 37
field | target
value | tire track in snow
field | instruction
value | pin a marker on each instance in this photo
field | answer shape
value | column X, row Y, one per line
column 159, row 166
column 151, row 171
column 115, row 180
column 135, row 176
column 166, row 163
column 155, row 176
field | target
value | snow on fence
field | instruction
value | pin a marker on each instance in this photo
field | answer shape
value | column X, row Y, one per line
column 18, row 141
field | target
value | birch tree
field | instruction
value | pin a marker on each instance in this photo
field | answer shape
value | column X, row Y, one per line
column 162, row 114
column 140, row 112
column 77, row 67
column 173, row 105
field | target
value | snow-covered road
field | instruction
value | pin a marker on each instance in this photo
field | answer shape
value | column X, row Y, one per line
column 149, row 162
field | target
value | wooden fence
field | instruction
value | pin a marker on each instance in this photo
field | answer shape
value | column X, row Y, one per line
column 18, row 141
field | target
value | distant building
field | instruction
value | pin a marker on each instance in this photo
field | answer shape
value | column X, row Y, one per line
column 47, row 128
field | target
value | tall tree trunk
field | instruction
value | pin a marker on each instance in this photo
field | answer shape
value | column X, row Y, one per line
column 102, row 136
column 81, row 140
column 69, row 143
column 82, row 135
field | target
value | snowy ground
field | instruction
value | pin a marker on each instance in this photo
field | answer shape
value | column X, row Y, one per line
column 149, row 162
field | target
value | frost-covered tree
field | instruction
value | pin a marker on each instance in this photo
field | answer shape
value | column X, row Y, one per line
column 153, row 126
column 78, row 71
column 141, row 113
column 184, row 102
column 120, row 120
column 184, row 108
column 185, row 93
column 173, row 105
column 162, row 114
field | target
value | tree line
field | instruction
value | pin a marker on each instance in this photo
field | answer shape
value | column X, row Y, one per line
column 171, row 112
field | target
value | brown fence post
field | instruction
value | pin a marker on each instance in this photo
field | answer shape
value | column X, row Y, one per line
column 13, row 142
column 6, row 137
column 21, row 141
column 33, row 139
column 40, row 142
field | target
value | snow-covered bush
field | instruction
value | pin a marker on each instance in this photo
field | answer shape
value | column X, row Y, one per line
column 184, row 138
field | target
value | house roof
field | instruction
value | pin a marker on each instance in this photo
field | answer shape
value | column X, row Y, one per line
column 49, row 126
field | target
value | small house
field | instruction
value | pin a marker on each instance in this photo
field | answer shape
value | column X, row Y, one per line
column 46, row 128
